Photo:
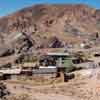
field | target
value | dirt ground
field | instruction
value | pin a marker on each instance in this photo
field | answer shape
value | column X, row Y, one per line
column 80, row 88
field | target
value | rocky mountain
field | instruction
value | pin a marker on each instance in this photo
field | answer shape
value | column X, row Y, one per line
column 66, row 23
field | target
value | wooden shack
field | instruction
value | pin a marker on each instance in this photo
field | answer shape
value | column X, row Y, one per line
column 62, row 62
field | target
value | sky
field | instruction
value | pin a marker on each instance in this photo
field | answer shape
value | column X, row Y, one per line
column 10, row 6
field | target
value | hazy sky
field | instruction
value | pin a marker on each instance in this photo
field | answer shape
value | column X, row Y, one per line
column 9, row 6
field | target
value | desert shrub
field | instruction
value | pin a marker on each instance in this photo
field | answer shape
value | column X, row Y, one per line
column 3, row 90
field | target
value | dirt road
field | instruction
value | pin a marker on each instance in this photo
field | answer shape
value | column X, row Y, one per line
column 80, row 88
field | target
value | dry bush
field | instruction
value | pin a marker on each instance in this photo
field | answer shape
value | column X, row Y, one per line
column 3, row 90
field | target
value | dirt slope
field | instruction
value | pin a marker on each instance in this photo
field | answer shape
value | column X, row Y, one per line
column 52, row 25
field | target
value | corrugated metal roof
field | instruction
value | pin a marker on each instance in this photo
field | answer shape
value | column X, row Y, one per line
column 11, row 71
column 44, row 71
column 57, row 54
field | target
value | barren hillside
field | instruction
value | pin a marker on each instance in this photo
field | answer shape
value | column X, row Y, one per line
column 66, row 23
